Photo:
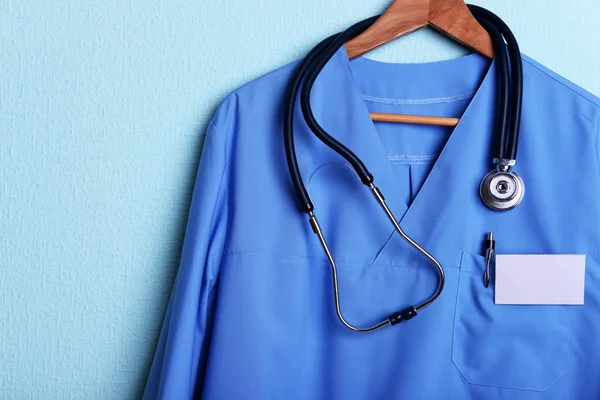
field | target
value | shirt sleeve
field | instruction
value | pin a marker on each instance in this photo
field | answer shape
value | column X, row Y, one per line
column 179, row 362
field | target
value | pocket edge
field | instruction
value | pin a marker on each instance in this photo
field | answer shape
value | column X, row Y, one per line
column 500, row 386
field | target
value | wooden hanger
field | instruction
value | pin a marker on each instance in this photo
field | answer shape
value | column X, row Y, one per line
column 451, row 17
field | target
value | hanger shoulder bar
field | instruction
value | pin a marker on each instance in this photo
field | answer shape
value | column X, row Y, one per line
column 402, row 17
column 414, row 119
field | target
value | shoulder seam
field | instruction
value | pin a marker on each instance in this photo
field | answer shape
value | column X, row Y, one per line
column 598, row 141
column 223, row 134
column 222, row 181
column 562, row 83
column 211, row 122
column 224, row 138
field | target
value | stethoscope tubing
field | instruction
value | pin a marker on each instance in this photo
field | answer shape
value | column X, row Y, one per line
column 516, row 71
column 303, row 80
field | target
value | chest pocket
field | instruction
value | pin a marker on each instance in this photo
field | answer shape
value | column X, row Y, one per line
column 507, row 346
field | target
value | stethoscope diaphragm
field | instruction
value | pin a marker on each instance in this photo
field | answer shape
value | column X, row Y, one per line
column 502, row 190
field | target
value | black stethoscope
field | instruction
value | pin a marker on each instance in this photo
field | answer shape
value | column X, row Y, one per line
column 501, row 189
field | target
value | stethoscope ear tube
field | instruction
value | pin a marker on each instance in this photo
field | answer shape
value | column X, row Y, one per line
column 311, row 76
column 516, row 71
column 502, row 189
column 304, row 68
column 288, row 124
column 503, row 87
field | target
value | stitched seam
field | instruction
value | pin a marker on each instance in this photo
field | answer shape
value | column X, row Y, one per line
column 598, row 141
column 220, row 193
column 587, row 280
column 411, row 162
column 417, row 157
column 223, row 179
column 382, row 249
column 323, row 259
column 456, row 308
column 438, row 100
column 420, row 159
column 470, row 271
column 561, row 83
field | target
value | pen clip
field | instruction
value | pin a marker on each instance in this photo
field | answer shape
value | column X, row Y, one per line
column 490, row 254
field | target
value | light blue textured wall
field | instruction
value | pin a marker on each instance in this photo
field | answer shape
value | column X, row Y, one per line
column 103, row 105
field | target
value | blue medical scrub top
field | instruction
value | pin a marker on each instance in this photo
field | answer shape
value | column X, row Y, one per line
column 251, row 314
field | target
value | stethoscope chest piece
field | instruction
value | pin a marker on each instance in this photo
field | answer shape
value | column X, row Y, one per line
column 502, row 190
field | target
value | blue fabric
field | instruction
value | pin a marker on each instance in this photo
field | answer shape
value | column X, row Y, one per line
column 252, row 314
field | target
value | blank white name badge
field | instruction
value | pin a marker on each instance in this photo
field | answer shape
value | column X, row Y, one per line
column 541, row 279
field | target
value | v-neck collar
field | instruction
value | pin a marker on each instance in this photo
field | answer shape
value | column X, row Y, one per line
column 338, row 99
